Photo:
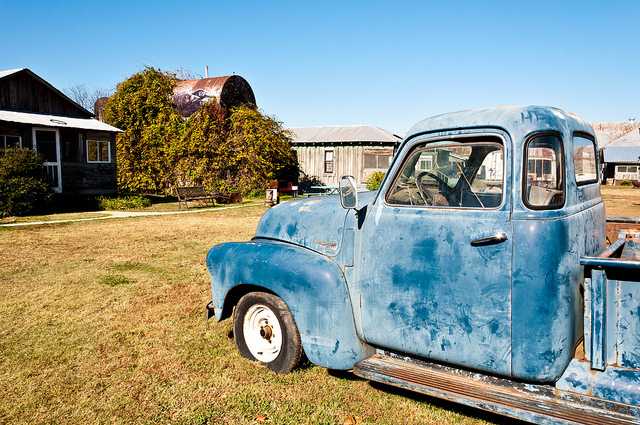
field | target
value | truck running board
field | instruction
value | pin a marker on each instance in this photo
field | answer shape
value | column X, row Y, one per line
column 543, row 404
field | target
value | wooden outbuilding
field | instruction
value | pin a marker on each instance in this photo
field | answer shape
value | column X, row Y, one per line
column 357, row 150
column 80, row 151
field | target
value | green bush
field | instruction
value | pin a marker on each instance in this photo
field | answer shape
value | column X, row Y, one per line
column 123, row 202
column 375, row 180
column 625, row 183
column 24, row 185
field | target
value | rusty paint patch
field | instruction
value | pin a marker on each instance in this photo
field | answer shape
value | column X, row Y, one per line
column 327, row 244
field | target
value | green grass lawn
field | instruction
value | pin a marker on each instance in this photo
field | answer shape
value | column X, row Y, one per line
column 102, row 322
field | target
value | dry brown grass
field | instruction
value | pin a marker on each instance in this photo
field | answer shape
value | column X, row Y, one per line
column 621, row 201
column 101, row 322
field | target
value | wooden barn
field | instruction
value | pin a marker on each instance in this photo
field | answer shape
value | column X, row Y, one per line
column 357, row 150
column 80, row 151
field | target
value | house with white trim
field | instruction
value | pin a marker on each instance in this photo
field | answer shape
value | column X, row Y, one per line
column 79, row 151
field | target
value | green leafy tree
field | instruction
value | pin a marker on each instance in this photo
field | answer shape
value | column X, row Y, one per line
column 24, row 186
column 142, row 108
column 260, row 149
column 237, row 150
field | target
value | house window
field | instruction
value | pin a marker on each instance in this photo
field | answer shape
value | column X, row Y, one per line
column 584, row 160
column 328, row 162
column 69, row 146
column 10, row 142
column 377, row 161
column 98, row 151
column 627, row 168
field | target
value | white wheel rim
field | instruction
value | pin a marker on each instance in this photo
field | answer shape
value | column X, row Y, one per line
column 262, row 333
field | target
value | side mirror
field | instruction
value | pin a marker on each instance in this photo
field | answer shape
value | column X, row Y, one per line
column 348, row 192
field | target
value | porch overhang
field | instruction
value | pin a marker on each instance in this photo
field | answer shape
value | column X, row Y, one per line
column 57, row 121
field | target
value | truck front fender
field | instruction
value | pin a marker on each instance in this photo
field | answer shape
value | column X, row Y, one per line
column 312, row 285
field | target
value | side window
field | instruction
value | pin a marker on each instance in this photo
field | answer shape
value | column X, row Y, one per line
column 544, row 184
column 584, row 160
column 378, row 161
column 98, row 151
column 451, row 173
column 10, row 142
column 328, row 161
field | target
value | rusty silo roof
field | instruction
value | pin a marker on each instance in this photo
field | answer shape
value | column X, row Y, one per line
column 232, row 90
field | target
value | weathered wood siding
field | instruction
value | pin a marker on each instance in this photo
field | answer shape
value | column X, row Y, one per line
column 348, row 160
column 23, row 92
column 90, row 178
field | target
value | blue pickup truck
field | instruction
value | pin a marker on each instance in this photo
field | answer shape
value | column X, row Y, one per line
column 479, row 272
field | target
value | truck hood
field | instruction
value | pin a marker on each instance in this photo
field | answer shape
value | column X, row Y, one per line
column 316, row 223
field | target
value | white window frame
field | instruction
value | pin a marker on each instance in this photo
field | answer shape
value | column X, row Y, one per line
column 51, row 167
column 99, row 161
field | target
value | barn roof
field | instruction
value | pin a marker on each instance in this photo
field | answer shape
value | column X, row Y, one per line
column 621, row 154
column 632, row 138
column 344, row 134
column 11, row 72
column 58, row 121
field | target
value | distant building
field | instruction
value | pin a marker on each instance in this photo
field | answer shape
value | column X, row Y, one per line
column 621, row 163
column 80, row 151
column 608, row 132
column 620, row 151
column 357, row 150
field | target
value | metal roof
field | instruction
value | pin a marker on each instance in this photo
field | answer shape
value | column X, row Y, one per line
column 59, row 121
column 344, row 134
column 10, row 72
column 632, row 138
column 621, row 154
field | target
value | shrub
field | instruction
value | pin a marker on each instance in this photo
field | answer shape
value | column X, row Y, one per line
column 375, row 180
column 625, row 183
column 24, row 185
column 123, row 202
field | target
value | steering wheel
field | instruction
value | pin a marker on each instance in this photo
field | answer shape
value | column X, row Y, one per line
column 443, row 187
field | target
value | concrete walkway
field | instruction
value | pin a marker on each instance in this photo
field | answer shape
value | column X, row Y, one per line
column 124, row 214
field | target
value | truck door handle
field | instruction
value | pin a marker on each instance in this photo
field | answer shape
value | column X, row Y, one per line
column 490, row 240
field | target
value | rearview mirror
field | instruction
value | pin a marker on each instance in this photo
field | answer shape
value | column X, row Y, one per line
column 348, row 192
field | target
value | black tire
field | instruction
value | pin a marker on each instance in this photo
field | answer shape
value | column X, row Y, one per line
column 264, row 331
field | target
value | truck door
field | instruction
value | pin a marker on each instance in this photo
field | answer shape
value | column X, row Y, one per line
column 434, row 272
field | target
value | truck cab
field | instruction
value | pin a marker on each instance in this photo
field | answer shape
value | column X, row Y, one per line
column 466, row 259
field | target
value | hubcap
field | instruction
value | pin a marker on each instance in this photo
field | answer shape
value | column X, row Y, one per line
column 262, row 333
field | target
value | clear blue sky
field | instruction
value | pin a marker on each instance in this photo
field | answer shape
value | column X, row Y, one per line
column 388, row 64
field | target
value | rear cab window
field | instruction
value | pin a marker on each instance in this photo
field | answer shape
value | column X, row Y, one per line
column 458, row 173
column 544, row 180
column 585, row 159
